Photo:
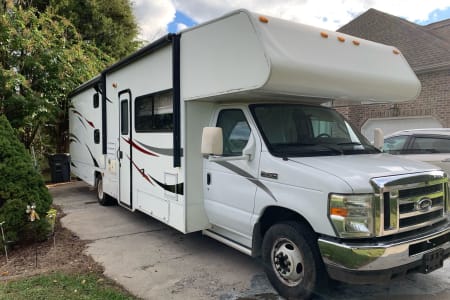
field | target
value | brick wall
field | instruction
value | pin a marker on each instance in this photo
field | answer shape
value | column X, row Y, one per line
column 434, row 100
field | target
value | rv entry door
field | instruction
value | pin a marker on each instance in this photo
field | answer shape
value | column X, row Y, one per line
column 125, row 141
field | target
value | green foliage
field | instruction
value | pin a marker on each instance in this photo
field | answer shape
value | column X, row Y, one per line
column 20, row 185
column 60, row 286
column 42, row 58
column 108, row 24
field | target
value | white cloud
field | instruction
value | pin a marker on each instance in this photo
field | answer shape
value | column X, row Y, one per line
column 153, row 17
column 330, row 14
column 181, row 26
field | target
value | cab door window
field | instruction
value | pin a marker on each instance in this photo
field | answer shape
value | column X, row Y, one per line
column 235, row 129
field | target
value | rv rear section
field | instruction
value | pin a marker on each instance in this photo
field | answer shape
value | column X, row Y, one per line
column 226, row 128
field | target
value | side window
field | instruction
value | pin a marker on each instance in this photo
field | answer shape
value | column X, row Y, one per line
column 154, row 113
column 96, row 100
column 236, row 131
column 124, row 116
column 423, row 145
column 395, row 145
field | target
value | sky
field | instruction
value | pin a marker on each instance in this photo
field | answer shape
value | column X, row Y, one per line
column 158, row 17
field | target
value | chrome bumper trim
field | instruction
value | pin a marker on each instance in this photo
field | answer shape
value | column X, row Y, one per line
column 379, row 256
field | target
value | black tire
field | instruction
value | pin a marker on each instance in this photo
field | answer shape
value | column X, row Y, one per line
column 290, row 244
column 102, row 198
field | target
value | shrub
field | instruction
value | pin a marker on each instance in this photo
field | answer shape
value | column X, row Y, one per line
column 20, row 185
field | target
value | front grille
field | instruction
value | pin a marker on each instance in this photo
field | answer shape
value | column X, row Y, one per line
column 411, row 215
column 410, row 202
column 419, row 219
column 420, row 191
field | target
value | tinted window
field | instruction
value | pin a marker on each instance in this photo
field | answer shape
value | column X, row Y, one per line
column 429, row 145
column 235, row 129
column 154, row 113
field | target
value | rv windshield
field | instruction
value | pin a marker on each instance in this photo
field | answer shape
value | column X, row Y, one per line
column 292, row 130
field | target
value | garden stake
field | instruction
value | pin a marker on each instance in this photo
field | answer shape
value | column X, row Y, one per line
column 33, row 215
column 4, row 241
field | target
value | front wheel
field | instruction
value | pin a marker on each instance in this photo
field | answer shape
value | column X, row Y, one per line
column 291, row 259
column 102, row 198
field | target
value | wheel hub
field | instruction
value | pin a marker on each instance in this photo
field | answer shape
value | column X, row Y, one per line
column 288, row 262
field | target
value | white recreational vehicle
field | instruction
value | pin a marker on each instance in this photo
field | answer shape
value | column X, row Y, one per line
column 222, row 128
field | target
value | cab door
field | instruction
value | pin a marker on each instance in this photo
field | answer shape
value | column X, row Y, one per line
column 229, row 187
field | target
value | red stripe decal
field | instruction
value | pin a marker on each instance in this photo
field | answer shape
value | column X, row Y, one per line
column 139, row 147
column 89, row 122
column 141, row 171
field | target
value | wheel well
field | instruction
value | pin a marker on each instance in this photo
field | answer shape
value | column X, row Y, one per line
column 271, row 216
column 96, row 175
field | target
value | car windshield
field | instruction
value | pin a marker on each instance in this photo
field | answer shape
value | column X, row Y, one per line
column 293, row 130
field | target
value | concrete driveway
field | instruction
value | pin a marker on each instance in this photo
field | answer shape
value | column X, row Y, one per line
column 154, row 261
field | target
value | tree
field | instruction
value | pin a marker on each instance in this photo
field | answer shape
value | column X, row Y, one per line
column 108, row 24
column 20, row 185
column 42, row 58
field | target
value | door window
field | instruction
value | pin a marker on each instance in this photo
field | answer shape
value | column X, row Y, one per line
column 235, row 129
column 124, row 117
column 422, row 145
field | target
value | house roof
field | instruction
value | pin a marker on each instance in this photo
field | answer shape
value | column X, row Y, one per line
column 425, row 47
column 440, row 29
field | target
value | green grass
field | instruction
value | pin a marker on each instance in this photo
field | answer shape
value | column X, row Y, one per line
column 62, row 286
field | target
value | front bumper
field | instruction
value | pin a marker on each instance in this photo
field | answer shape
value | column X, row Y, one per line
column 381, row 261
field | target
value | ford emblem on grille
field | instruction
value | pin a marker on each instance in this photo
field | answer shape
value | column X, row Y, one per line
column 424, row 204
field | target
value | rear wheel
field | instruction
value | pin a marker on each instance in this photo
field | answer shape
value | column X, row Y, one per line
column 292, row 262
column 102, row 198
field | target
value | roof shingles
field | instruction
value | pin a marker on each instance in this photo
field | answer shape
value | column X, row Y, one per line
column 425, row 47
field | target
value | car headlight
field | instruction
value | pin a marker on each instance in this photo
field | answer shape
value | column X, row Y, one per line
column 352, row 215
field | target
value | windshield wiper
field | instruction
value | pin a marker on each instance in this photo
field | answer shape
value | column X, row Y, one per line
column 349, row 143
column 335, row 150
column 366, row 147
column 289, row 150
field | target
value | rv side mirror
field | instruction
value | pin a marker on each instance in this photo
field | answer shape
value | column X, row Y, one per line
column 378, row 138
column 212, row 141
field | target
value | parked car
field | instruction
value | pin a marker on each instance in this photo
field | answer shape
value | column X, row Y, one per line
column 430, row 145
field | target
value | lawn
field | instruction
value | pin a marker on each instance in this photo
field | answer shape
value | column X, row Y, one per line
column 62, row 286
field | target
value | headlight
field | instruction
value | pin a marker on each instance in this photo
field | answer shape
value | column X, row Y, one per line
column 352, row 215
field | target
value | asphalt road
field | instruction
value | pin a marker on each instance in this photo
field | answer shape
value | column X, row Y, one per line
column 154, row 261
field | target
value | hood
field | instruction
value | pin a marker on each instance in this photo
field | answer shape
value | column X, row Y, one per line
column 357, row 170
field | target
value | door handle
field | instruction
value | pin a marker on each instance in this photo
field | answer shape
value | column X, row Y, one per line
column 120, row 154
column 208, row 178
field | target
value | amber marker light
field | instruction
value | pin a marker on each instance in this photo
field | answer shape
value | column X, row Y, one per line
column 341, row 39
column 339, row 211
column 355, row 42
column 395, row 51
column 114, row 85
column 324, row 34
column 263, row 19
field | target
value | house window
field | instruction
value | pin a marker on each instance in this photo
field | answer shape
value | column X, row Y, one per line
column 154, row 113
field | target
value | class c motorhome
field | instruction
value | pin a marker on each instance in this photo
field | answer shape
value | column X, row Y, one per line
column 223, row 128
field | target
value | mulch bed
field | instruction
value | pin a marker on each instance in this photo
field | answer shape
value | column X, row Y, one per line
column 62, row 251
